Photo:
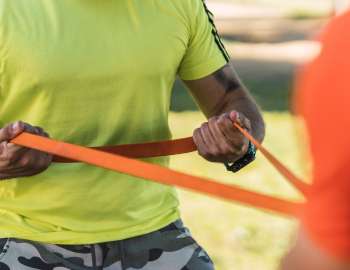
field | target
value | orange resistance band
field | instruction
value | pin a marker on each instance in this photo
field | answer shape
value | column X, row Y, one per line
column 110, row 158
column 294, row 180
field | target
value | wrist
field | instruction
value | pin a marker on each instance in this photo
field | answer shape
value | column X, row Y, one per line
column 243, row 161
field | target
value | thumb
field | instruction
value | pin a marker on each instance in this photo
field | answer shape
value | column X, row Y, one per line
column 234, row 116
column 240, row 119
column 11, row 131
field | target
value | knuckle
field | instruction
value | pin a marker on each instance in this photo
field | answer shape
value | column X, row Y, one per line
column 6, row 133
column 221, row 119
column 204, row 126
column 223, row 122
column 212, row 120
column 196, row 135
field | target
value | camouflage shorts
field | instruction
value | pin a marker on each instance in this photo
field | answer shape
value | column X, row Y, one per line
column 171, row 248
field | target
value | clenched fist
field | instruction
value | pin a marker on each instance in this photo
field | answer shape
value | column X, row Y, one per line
column 17, row 161
column 218, row 140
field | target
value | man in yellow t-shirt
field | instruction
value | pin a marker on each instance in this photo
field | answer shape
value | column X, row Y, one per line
column 100, row 73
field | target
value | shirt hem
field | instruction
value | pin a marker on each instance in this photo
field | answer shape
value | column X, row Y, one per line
column 202, row 70
column 77, row 238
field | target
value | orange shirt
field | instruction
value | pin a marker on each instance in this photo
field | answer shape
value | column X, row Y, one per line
column 324, row 101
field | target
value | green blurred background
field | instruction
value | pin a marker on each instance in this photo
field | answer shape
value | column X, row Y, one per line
column 268, row 40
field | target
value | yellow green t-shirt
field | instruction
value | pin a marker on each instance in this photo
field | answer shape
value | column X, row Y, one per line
column 96, row 73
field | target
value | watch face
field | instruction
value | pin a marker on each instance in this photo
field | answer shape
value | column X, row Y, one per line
column 244, row 161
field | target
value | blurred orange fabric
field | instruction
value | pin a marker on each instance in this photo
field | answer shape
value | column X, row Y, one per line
column 323, row 98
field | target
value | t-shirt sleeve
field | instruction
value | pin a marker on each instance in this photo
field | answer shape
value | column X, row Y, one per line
column 205, row 51
column 324, row 101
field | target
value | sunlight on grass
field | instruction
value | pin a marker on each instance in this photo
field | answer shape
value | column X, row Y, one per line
column 238, row 237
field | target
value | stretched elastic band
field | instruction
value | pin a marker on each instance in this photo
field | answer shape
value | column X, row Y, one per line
column 145, row 150
column 155, row 173
column 291, row 177
column 186, row 145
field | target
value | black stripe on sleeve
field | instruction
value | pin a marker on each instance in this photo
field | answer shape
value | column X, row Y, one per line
column 215, row 33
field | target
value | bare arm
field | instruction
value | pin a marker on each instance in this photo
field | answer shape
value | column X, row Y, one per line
column 223, row 92
column 223, row 99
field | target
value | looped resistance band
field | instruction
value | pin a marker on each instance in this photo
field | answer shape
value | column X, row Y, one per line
column 120, row 159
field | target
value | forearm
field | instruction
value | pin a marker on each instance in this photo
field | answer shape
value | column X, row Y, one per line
column 223, row 92
column 224, row 100
column 240, row 101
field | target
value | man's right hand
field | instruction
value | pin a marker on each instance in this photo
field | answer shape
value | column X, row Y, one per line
column 17, row 161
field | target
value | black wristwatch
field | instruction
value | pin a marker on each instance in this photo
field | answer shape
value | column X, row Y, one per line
column 244, row 161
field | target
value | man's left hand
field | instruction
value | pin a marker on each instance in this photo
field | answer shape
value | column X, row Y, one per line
column 218, row 140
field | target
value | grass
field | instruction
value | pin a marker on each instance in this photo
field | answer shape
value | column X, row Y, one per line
column 239, row 237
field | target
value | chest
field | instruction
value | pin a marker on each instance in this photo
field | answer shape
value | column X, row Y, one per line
column 57, row 40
